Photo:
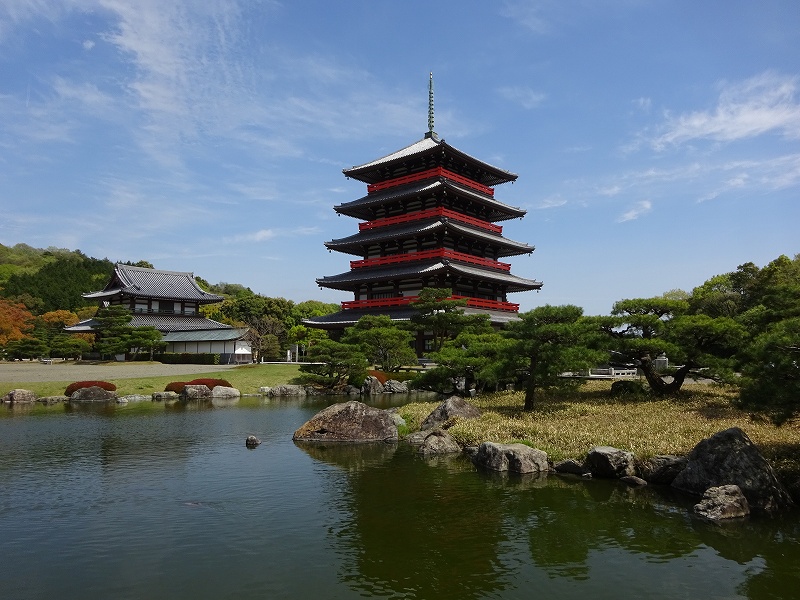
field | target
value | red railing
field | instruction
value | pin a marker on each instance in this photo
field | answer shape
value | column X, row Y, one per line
column 405, row 300
column 427, row 214
column 430, row 173
column 427, row 254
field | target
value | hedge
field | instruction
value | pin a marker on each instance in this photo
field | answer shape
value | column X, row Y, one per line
column 78, row 385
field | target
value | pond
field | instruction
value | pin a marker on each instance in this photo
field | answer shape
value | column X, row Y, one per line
column 165, row 501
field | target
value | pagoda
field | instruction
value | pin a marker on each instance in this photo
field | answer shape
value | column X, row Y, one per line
column 429, row 219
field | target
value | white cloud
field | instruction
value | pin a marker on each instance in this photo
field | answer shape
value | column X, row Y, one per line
column 643, row 104
column 528, row 14
column 640, row 208
column 762, row 104
column 524, row 96
column 551, row 202
column 87, row 44
column 262, row 235
column 611, row 190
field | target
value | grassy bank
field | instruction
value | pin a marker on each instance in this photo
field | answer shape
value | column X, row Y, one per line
column 247, row 379
column 569, row 425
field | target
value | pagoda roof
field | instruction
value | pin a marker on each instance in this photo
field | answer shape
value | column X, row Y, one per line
column 165, row 323
column 141, row 282
column 429, row 150
column 362, row 208
column 347, row 318
column 348, row 280
column 354, row 244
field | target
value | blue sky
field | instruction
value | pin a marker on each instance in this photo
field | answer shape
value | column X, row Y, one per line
column 657, row 143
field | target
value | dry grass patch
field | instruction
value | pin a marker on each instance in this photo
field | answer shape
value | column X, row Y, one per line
column 569, row 425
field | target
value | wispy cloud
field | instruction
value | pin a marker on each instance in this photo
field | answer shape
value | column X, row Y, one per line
column 528, row 14
column 643, row 104
column 640, row 208
column 524, row 96
column 762, row 104
column 551, row 202
column 262, row 235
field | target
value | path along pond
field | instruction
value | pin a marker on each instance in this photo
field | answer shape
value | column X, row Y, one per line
column 164, row 501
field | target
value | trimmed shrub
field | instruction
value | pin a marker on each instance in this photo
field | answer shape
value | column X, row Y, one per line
column 380, row 376
column 209, row 383
column 175, row 386
column 110, row 387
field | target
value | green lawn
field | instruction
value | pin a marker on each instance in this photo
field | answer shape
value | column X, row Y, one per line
column 247, row 379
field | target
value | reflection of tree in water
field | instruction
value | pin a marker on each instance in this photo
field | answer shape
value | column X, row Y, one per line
column 570, row 517
column 772, row 544
column 436, row 538
column 436, row 528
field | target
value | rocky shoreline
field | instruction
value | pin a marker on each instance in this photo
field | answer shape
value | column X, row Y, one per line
column 726, row 471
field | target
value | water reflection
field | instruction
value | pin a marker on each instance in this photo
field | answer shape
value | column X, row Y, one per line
column 436, row 527
column 167, row 497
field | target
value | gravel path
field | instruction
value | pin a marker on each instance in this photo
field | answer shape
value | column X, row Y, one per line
column 35, row 372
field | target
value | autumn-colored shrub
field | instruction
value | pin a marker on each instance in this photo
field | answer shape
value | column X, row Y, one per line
column 210, row 383
column 175, row 386
column 85, row 384
column 380, row 376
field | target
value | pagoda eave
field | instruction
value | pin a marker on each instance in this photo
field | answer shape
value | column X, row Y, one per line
column 422, row 154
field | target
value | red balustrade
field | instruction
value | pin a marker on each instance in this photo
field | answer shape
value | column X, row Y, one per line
column 405, row 300
column 427, row 254
column 430, row 213
column 429, row 174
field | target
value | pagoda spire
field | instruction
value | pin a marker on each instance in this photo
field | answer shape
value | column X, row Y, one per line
column 431, row 132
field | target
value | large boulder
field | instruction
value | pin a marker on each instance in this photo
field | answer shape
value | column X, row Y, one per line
column 607, row 461
column 438, row 442
column 395, row 387
column 662, row 469
column 372, row 386
column 195, row 392
column 93, row 394
column 730, row 458
column 164, row 396
column 222, row 391
column 453, row 407
column 570, row 466
column 517, row 458
column 286, row 390
column 348, row 422
column 723, row 502
column 19, row 396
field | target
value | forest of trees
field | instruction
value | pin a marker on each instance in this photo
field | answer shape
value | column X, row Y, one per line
column 740, row 328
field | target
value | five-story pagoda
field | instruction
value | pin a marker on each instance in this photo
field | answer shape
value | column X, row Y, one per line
column 428, row 220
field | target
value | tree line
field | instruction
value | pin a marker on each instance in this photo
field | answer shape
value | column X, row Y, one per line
column 740, row 328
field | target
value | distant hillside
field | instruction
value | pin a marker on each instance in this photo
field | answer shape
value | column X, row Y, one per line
column 51, row 279
column 25, row 259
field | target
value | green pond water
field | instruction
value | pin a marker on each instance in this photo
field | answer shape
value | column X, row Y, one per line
column 164, row 501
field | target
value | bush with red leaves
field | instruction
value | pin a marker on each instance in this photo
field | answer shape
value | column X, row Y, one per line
column 210, row 383
column 78, row 385
column 175, row 386
column 379, row 375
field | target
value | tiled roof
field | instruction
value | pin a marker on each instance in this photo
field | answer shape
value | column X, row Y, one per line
column 360, row 209
column 347, row 281
column 373, row 171
column 214, row 335
column 353, row 244
column 154, row 283
column 165, row 323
